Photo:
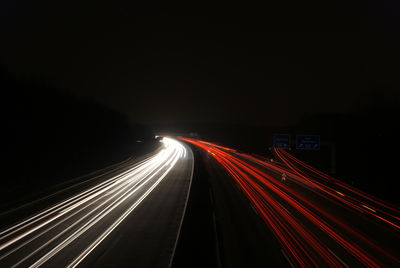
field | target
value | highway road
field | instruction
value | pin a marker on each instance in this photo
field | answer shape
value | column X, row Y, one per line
column 317, row 220
column 130, row 219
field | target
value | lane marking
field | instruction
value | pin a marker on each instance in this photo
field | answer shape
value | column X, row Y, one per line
column 373, row 210
column 184, row 209
column 254, row 209
column 339, row 193
column 287, row 258
column 337, row 257
column 283, row 208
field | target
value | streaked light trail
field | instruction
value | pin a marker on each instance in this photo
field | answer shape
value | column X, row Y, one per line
column 83, row 221
column 311, row 214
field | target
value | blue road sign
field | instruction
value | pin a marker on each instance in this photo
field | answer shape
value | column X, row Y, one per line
column 281, row 141
column 308, row 142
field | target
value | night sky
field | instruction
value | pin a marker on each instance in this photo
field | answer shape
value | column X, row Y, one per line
column 203, row 62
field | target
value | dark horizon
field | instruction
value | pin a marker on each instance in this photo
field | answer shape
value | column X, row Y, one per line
column 266, row 64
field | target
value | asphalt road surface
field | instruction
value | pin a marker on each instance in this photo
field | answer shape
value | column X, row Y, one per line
column 316, row 220
column 130, row 219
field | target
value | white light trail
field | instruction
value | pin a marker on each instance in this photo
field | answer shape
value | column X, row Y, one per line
column 120, row 194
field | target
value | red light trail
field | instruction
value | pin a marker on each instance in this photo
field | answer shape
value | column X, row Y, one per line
column 307, row 232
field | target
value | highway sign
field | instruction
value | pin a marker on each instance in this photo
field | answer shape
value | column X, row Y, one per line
column 308, row 142
column 281, row 141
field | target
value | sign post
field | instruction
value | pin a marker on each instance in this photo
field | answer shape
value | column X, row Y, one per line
column 281, row 141
column 308, row 142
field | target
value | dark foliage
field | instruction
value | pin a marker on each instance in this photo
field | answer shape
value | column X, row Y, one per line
column 49, row 136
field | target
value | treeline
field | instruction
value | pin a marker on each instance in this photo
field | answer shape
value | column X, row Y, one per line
column 49, row 136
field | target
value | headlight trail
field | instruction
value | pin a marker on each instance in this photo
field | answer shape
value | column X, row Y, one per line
column 40, row 216
column 310, row 234
column 102, row 208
